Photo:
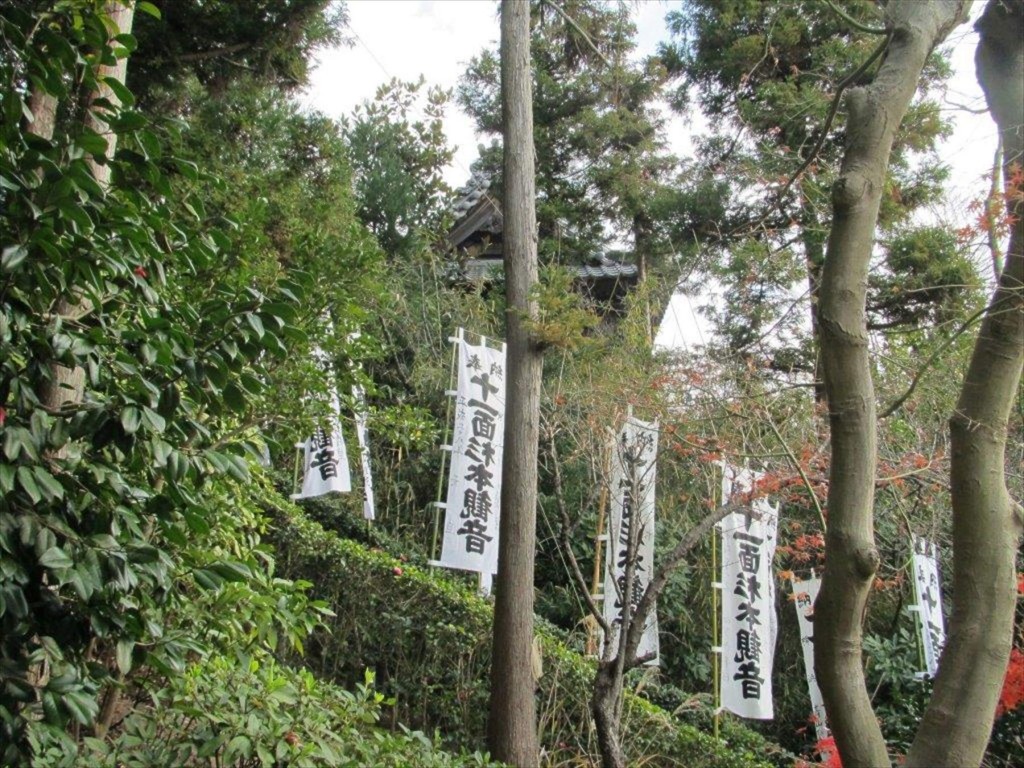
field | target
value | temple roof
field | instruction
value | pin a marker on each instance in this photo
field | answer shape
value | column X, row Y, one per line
column 476, row 236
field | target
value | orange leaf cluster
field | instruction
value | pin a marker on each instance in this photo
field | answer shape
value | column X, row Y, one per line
column 805, row 548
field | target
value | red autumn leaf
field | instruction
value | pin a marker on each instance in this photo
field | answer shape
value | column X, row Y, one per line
column 1013, row 684
column 826, row 749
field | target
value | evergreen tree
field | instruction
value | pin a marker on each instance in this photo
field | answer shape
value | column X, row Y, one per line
column 398, row 163
column 601, row 157
column 769, row 77
column 214, row 42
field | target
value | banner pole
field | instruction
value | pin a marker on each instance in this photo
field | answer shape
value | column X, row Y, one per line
column 918, row 635
column 716, row 656
column 447, row 434
column 593, row 628
column 299, row 455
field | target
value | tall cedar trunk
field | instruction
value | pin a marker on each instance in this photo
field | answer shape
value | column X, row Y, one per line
column 874, row 114
column 986, row 521
column 66, row 386
column 512, row 727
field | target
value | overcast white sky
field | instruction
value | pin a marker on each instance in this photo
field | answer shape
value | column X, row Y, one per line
column 437, row 38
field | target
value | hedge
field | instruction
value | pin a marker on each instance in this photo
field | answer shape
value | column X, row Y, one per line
column 427, row 636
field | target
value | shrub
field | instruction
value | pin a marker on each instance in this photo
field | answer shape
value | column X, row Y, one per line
column 251, row 711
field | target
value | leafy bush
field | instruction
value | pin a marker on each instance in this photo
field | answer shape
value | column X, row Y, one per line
column 427, row 635
column 125, row 293
column 251, row 711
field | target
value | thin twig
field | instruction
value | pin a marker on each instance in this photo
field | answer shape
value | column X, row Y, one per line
column 569, row 20
column 833, row 110
column 931, row 359
column 668, row 567
column 803, row 475
column 853, row 22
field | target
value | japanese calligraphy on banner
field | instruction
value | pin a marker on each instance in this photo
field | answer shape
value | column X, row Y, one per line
column 633, row 478
column 749, row 625
column 325, row 467
column 362, row 436
column 928, row 595
column 472, row 508
column 804, row 595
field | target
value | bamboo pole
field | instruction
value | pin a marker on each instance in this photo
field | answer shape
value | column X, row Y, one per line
column 447, row 436
column 593, row 628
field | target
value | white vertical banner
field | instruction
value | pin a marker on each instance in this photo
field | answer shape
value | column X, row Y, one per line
column 362, row 435
column 632, row 494
column 804, row 595
column 325, row 460
column 749, row 624
column 472, row 508
column 928, row 595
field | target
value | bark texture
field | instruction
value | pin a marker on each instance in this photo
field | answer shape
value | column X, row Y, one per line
column 67, row 385
column 512, row 725
column 122, row 15
column 43, row 107
column 874, row 114
column 986, row 520
column 814, row 254
column 606, row 706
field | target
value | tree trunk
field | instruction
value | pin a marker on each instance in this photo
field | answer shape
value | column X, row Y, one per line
column 121, row 14
column 814, row 258
column 512, row 727
column 875, row 113
column 986, row 521
column 43, row 107
column 606, row 706
column 66, row 386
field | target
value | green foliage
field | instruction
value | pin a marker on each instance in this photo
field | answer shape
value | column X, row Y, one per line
column 761, row 279
column 927, row 280
column 1007, row 740
column 129, row 546
column 398, row 152
column 562, row 317
column 285, row 174
column 427, row 637
column 900, row 695
column 251, row 711
column 768, row 77
column 213, row 43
